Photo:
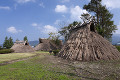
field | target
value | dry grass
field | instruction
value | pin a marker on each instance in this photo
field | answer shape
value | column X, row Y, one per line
column 13, row 56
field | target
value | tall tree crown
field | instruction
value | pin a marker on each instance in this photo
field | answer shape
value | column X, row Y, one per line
column 105, row 25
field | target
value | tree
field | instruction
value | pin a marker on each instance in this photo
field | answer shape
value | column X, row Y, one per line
column 94, row 6
column 65, row 31
column 86, row 17
column 105, row 25
column 8, row 43
column 55, row 38
column 25, row 38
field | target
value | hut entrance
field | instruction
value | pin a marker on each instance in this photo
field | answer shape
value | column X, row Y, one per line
column 92, row 28
column 26, row 43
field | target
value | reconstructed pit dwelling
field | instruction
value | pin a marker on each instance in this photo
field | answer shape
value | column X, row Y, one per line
column 85, row 44
column 46, row 45
column 22, row 47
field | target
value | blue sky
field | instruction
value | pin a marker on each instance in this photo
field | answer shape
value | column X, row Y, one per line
column 36, row 18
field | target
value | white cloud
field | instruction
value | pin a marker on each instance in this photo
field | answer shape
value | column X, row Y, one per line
column 45, row 29
column 34, row 24
column 12, row 29
column 112, row 3
column 48, row 28
column 57, row 22
column 64, row 1
column 61, row 8
column 5, row 7
column 24, row 1
column 76, row 13
column 42, row 5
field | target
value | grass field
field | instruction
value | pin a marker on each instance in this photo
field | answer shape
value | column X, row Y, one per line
column 31, row 69
column 13, row 56
column 48, row 67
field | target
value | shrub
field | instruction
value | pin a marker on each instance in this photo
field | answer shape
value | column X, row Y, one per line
column 4, row 51
column 118, row 47
column 0, row 47
column 57, row 42
column 55, row 52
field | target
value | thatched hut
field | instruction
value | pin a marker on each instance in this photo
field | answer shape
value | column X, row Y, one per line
column 85, row 44
column 22, row 47
column 46, row 45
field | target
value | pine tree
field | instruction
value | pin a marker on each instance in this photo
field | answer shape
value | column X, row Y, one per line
column 8, row 43
column 25, row 38
column 105, row 25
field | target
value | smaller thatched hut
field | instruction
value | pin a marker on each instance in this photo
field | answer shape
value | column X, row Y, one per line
column 46, row 45
column 22, row 47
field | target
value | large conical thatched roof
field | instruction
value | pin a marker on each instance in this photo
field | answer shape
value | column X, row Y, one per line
column 45, row 45
column 22, row 47
column 85, row 44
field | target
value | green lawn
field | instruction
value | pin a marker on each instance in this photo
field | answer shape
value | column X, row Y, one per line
column 31, row 69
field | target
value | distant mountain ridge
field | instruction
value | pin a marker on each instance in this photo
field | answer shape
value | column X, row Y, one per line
column 115, row 39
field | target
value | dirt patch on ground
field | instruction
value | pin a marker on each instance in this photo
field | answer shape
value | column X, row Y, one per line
column 98, row 70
